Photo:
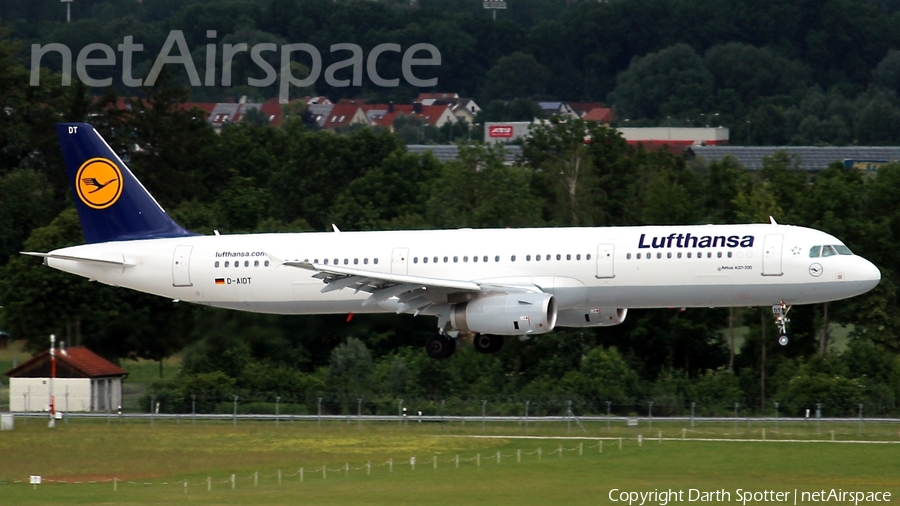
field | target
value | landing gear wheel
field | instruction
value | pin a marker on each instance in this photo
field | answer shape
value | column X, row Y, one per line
column 780, row 312
column 440, row 347
column 485, row 343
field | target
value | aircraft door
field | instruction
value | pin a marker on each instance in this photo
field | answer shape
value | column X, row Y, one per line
column 606, row 254
column 399, row 261
column 181, row 266
column 772, row 255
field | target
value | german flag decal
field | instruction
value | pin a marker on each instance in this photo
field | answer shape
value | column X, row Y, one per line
column 220, row 281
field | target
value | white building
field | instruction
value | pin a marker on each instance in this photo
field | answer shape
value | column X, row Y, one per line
column 84, row 381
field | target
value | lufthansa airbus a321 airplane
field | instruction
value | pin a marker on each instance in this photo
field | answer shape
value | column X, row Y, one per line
column 494, row 283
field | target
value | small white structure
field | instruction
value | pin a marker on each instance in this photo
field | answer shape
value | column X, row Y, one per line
column 84, row 381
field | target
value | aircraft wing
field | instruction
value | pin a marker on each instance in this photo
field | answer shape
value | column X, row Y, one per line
column 414, row 292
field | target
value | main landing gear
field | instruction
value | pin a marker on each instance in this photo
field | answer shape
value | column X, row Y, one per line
column 781, row 320
column 440, row 346
column 485, row 343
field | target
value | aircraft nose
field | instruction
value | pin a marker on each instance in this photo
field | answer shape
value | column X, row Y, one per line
column 869, row 274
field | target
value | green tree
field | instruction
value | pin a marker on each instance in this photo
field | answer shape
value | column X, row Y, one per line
column 350, row 372
column 673, row 81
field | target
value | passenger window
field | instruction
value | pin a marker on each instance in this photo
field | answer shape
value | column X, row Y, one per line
column 226, row 263
column 828, row 251
column 842, row 250
column 512, row 258
column 814, row 251
column 669, row 255
column 558, row 256
column 569, row 257
column 679, row 254
column 217, row 263
column 355, row 261
column 658, row 255
column 375, row 261
column 729, row 254
column 527, row 258
column 266, row 263
column 627, row 256
column 587, row 257
column 256, row 263
column 548, row 258
column 455, row 259
column 365, row 261
column 246, row 263
column 415, row 260
column 465, row 259
column 689, row 254
column 346, row 261
column 336, row 261
column 719, row 255
column 577, row 257
column 638, row 256
column 537, row 258
column 237, row 264
column 435, row 259
column 445, row 260
column 485, row 259
column 424, row 260
column 709, row 254
column 474, row 258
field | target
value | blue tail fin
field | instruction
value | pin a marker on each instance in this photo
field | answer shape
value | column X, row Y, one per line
column 112, row 204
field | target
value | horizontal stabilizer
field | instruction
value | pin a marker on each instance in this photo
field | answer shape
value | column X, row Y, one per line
column 101, row 261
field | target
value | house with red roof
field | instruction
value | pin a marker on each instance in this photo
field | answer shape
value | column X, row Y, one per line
column 84, row 381
column 384, row 114
column 593, row 111
column 343, row 115
column 462, row 108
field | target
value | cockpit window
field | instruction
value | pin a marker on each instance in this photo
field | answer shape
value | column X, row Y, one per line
column 842, row 250
column 814, row 251
column 828, row 251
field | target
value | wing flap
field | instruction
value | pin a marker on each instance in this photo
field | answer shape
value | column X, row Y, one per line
column 413, row 293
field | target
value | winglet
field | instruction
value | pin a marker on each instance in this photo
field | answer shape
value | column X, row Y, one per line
column 772, row 221
column 335, row 227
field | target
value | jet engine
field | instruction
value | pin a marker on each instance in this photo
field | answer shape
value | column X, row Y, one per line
column 600, row 317
column 506, row 315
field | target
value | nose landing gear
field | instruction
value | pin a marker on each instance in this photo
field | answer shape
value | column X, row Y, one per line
column 781, row 320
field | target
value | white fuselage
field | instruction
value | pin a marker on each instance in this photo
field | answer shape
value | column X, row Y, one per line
column 582, row 267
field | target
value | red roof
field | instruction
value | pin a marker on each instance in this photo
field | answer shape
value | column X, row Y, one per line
column 430, row 113
column 582, row 108
column 341, row 115
column 76, row 361
column 600, row 115
column 272, row 109
column 437, row 96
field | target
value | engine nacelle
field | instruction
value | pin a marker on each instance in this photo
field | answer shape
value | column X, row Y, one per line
column 601, row 317
column 506, row 315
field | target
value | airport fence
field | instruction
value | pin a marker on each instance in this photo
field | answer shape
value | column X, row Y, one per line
column 342, row 406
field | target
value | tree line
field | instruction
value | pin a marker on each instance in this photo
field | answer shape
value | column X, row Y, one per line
column 778, row 72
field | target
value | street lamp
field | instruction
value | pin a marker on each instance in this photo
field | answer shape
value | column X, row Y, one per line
column 68, row 9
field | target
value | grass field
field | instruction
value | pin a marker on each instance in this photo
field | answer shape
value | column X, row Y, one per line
column 151, row 463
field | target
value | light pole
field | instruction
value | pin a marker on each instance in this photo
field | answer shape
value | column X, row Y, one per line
column 68, row 9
